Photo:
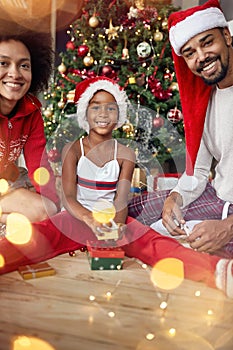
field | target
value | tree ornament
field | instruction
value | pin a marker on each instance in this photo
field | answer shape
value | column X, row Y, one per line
column 175, row 115
column 125, row 54
column 107, row 70
column 128, row 128
column 112, row 31
column 143, row 49
column 61, row 104
column 125, row 51
column 83, row 50
column 93, row 21
column 88, row 60
column 54, row 155
column 158, row 121
column 174, row 86
column 139, row 4
column 48, row 112
column 70, row 96
column 70, row 45
column 165, row 24
column 167, row 75
column 141, row 80
column 158, row 36
column 132, row 80
column 62, row 68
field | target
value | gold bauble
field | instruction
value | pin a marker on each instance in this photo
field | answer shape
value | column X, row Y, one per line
column 128, row 128
column 93, row 22
column 88, row 60
column 165, row 23
column 48, row 113
column 158, row 36
column 61, row 104
column 62, row 68
column 70, row 96
column 174, row 86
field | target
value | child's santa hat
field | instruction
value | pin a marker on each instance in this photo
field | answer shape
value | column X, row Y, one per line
column 86, row 89
column 194, row 93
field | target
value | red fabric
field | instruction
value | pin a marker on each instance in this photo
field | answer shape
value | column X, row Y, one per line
column 25, row 132
column 64, row 233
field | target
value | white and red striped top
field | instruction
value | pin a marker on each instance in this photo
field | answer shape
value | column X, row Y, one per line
column 94, row 182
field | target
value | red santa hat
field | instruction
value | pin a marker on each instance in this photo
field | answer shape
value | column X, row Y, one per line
column 86, row 89
column 194, row 93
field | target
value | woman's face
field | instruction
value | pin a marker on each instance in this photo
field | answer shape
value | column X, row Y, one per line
column 102, row 112
column 15, row 71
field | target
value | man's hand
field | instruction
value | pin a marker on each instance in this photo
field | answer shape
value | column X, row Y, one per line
column 172, row 217
column 210, row 235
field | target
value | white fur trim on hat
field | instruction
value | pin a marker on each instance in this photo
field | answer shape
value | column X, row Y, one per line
column 194, row 24
column 83, row 102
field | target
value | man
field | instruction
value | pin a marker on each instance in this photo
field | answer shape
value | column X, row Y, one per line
column 203, row 57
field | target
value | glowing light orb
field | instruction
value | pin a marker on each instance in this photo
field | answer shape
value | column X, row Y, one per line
column 18, row 228
column 41, row 176
column 168, row 273
column 3, row 186
column 2, row 260
column 103, row 211
column 30, row 343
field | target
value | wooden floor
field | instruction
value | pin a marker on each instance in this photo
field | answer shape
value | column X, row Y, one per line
column 125, row 312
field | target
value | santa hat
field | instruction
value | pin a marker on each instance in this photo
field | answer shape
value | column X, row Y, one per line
column 86, row 89
column 194, row 93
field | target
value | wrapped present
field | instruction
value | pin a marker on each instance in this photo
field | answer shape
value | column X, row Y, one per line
column 104, row 258
column 36, row 270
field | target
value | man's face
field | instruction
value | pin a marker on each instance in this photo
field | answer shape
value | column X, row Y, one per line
column 207, row 55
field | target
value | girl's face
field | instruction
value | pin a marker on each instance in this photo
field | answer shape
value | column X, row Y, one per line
column 15, row 71
column 102, row 112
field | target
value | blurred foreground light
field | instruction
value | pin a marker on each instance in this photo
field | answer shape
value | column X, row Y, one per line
column 30, row 343
column 18, row 229
column 167, row 273
column 3, row 186
column 41, row 176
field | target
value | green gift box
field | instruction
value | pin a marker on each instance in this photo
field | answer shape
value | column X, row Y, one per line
column 105, row 258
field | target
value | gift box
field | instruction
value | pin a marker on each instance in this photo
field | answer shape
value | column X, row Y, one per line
column 166, row 181
column 36, row 270
column 104, row 258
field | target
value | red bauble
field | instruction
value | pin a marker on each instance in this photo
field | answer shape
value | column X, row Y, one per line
column 70, row 45
column 158, row 122
column 54, row 155
column 107, row 70
column 83, row 50
column 175, row 115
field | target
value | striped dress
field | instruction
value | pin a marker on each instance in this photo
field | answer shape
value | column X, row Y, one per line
column 94, row 182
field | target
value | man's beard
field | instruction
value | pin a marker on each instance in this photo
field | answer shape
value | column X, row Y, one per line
column 220, row 76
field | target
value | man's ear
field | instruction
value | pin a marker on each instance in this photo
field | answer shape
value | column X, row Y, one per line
column 227, row 36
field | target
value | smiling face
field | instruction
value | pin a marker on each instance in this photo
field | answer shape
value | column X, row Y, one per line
column 208, row 55
column 102, row 113
column 15, row 74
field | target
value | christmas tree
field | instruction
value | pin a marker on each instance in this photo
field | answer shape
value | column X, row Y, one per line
column 128, row 42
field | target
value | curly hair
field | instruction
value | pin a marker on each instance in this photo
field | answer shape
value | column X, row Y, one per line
column 39, row 46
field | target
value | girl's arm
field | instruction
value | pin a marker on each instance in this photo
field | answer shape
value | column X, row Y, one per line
column 127, row 163
column 70, row 157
